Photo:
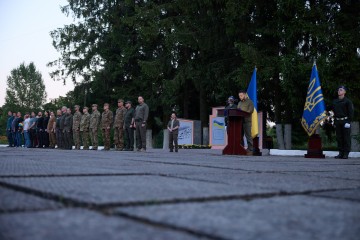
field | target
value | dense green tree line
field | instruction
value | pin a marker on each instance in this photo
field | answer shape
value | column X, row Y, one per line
column 191, row 55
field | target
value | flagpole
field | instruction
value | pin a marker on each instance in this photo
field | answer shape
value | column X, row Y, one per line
column 314, row 112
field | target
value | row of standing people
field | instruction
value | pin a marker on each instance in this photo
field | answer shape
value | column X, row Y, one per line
column 66, row 129
column 74, row 128
column 32, row 129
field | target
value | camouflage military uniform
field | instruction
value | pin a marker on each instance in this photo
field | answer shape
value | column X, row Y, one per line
column 67, row 131
column 84, row 130
column 94, row 124
column 119, row 128
column 76, row 129
column 51, row 131
column 106, row 122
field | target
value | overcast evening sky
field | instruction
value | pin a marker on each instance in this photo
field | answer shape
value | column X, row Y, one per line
column 25, row 27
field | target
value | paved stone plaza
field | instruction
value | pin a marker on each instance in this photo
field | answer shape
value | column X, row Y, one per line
column 193, row 194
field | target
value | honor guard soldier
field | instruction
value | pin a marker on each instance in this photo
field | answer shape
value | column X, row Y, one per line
column 343, row 114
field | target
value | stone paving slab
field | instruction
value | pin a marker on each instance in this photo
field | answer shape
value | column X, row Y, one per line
column 192, row 194
column 26, row 167
column 296, row 217
column 71, row 224
column 248, row 163
column 283, row 182
column 130, row 189
column 15, row 201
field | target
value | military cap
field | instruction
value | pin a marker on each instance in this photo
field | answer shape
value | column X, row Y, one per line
column 76, row 106
column 231, row 98
column 343, row 87
column 86, row 108
column 128, row 102
column 94, row 105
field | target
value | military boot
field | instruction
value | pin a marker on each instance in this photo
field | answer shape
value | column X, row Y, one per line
column 340, row 155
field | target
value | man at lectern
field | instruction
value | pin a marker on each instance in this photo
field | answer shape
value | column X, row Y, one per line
column 245, row 104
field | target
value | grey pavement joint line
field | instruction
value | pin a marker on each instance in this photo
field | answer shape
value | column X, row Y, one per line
column 168, row 226
column 2, row 211
column 75, row 175
column 227, row 168
column 338, row 198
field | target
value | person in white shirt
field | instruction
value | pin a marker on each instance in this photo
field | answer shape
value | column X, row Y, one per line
column 27, row 130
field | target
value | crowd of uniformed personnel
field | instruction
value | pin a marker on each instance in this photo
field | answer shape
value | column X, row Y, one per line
column 66, row 130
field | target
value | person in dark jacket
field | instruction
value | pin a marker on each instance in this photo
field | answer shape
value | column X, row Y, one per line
column 32, row 129
column 62, row 121
column 68, row 123
column 45, row 127
column 40, row 130
column 141, row 117
column 18, row 129
column 129, row 126
column 230, row 105
column 8, row 129
column 173, row 127
column 343, row 113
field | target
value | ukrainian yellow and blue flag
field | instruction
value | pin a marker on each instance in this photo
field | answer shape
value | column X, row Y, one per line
column 314, row 109
column 251, row 92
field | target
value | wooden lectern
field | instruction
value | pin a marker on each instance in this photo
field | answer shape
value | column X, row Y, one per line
column 236, row 118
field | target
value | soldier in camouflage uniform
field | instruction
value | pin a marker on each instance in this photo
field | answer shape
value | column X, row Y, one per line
column 119, row 126
column 84, row 128
column 94, row 125
column 76, row 127
column 106, row 122
column 62, row 121
column 68, row 123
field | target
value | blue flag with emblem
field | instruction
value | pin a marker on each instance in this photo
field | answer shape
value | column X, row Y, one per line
column 314, row 109
column 251, row 92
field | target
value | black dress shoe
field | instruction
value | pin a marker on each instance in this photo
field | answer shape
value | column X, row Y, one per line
column 345, row 157
column 339, row 156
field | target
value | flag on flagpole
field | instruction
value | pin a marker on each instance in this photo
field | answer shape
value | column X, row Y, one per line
column 314, row 109
column 251, row 92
